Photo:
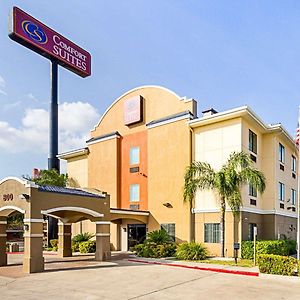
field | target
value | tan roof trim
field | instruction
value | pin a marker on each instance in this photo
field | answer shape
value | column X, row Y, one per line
column 73, row 153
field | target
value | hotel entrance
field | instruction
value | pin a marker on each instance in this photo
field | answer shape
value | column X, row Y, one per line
column 136, row 234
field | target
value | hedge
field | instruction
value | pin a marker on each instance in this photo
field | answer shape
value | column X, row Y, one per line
column 276, row 264
column 191, row 251
column 276, row 247
column 87, row 247
column 155, row 251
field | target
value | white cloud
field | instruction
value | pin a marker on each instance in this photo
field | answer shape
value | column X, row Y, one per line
column 2, row 86
column 76, row 119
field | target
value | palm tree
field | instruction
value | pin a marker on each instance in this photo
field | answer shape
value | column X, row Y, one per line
column 227, row 182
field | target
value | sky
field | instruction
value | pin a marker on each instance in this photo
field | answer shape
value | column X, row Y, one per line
column 224, row 54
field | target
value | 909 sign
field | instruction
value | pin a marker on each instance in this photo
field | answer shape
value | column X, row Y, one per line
column 8, row 197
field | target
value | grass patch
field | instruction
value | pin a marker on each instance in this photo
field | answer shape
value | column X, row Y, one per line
column 240, row 263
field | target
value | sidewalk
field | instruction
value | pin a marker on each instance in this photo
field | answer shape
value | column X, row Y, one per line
column 198, row 266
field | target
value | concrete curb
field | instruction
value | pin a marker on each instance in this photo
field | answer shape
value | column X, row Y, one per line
column 211, row 269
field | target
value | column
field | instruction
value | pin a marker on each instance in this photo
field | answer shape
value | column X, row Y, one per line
column 64, row 239
column 3, row 255
column 102, row 240
column 33, row 260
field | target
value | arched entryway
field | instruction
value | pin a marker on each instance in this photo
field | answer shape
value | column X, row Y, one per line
column 67, row 205
column 128, row 227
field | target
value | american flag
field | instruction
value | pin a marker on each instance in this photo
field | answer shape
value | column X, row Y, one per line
column 297, row 139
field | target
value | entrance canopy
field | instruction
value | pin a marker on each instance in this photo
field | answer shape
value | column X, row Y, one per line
column 69, row 205
column 66, row 204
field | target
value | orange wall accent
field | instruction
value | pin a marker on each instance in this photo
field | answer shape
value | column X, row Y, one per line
column 138, row 139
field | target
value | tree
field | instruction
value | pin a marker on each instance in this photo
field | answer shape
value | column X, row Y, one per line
column 227, row 182
column 51, row 177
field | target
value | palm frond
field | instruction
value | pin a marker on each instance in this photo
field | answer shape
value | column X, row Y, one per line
column 234, row 200
column 255, row 177
column 198, row 175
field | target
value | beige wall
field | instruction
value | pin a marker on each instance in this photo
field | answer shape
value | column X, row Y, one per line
column 168, row 156
column 104, row 168
column 213, row 144
column 77, row 168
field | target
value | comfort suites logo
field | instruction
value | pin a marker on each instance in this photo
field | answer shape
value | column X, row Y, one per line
column 35, row 32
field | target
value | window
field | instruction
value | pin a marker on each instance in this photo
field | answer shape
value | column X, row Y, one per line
column 252, row 191
column 170, row 229
column 252, row 142
column 134, row 192
column 212, row 233
column 251, row 231
column 281, row 191
column 134, row 155
column 293, row 163
column 293, row 196
column 281, row 153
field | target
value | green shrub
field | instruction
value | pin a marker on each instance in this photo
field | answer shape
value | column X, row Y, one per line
column 75, row 246
column 158, row 237
column 277, row 264
column 54, row 244
column 276, row 247
column 292, row 246
column 82, row 237
column 79, row 238
column 87, row 247
column 154, row 250
column 191, row 251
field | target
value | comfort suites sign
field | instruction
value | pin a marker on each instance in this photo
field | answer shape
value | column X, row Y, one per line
column 38, row 37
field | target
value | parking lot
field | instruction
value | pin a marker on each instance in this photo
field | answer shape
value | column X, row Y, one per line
column 81, row 277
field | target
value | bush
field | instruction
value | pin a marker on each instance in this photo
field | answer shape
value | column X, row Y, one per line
column 276, row 264
column 87, row 247
column 154, row 250
column 79, row 238
column 158, row 237
column 191, row 251
column 276, row 247
column 82, row 237
column 54, row 244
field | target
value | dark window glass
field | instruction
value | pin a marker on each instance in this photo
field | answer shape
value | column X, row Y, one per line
column 252, row 142
column 251, row 231
column 252, row 191
column 281, row 153
column 294, row 163
column 281, row 191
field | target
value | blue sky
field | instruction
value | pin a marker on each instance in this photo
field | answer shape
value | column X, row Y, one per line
column 224, row 54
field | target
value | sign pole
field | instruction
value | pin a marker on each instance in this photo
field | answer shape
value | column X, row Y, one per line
column 254, row 243
column 53, row 162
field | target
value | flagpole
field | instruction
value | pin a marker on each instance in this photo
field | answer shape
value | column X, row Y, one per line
column 298, row 190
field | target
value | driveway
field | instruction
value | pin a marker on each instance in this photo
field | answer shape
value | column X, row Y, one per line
column 81, row 277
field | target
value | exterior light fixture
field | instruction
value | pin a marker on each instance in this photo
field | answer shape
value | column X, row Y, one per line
column 168, row 205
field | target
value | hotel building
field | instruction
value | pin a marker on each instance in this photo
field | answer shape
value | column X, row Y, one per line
column 138, row 153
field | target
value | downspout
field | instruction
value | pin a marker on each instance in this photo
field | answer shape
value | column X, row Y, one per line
column 192, row 204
